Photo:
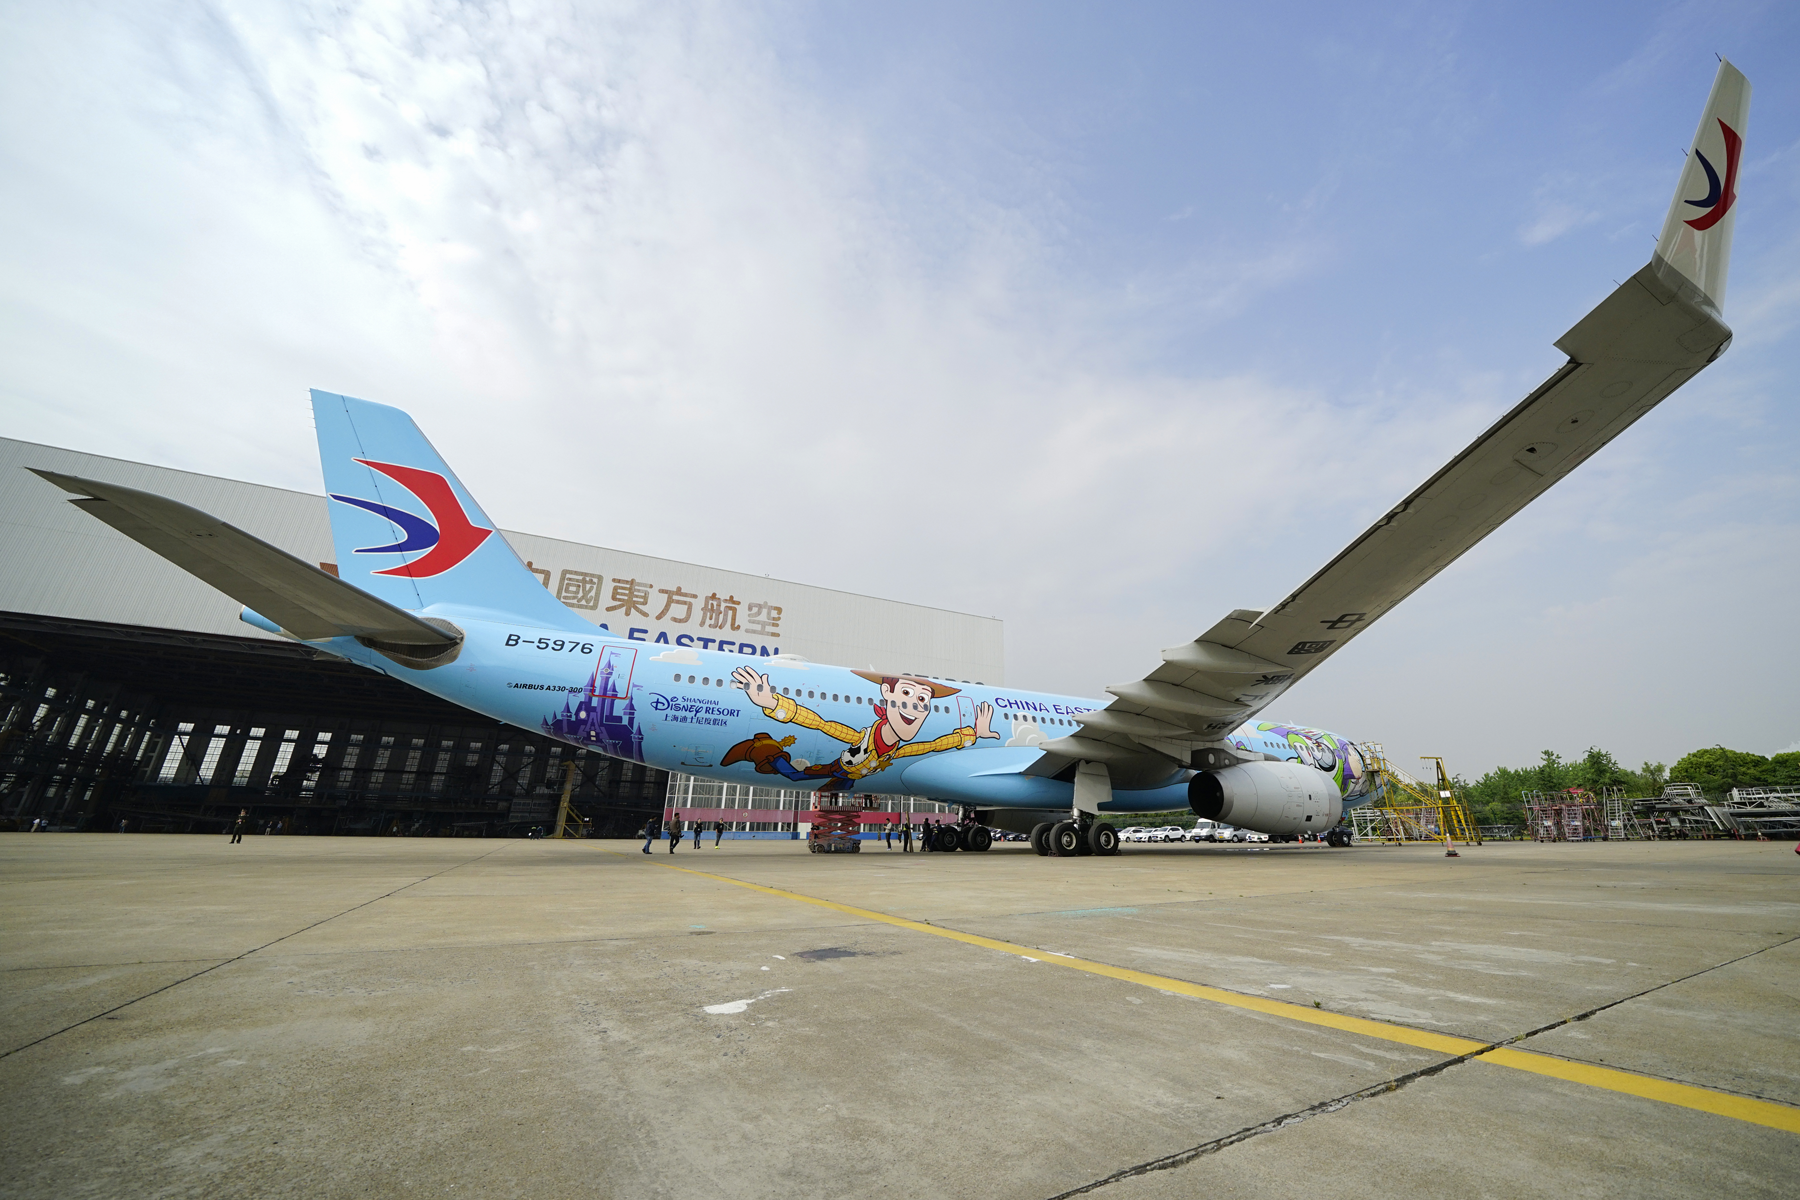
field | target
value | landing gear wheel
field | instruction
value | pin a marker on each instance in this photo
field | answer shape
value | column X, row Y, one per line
column 977, row 839
column 1103, row 839
column 945, row 839
column 1338, row 837
column 1040, row 837
column 1066, row 840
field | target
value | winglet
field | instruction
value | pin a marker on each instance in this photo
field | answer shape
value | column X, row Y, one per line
column 1696, row 236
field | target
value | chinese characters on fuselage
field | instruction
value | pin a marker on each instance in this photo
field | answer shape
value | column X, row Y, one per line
column 631, row 599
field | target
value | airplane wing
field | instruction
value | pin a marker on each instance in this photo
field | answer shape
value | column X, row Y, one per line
column 296, row 595
column 1645, row 340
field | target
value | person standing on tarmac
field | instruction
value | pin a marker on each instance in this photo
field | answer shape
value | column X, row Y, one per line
column 906, row 838
column 237, row 827
column 718, row 833
column 652, row 831
column 674, row 828
column 699, row 827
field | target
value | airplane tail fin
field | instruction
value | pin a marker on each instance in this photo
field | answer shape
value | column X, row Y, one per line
column 406, row 530
column 1696, row 235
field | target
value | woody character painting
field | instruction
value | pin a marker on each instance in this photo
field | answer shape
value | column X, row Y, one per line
column 905, row 706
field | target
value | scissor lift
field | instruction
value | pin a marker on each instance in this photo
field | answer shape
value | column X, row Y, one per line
column 834, row 829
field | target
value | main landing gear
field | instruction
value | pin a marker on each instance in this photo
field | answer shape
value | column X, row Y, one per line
column 969, row 835
column 1071, row 839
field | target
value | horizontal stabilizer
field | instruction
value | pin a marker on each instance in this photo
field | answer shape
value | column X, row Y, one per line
column 294, row 594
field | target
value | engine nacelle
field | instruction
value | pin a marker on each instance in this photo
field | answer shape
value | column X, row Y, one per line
column 1268, row 797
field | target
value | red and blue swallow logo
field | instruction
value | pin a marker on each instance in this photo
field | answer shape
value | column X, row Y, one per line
column 1719, row 196
column 449, row 542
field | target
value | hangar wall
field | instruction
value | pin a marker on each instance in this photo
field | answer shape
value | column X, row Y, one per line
column 57, row 561
column 130, row 691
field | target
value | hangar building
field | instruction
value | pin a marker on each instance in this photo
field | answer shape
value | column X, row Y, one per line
column 130, row 691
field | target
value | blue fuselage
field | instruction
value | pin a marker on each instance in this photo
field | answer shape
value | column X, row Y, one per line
column 818, row 727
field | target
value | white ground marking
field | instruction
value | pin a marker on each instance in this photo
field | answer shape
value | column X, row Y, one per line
column 738, row 1006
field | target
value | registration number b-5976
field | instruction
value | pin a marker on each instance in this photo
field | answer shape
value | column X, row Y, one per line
column 555, row 645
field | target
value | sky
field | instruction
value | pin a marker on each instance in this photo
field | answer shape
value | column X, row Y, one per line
column 1102, row 319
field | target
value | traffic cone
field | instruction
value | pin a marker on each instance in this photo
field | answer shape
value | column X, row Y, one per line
column 1449, row 850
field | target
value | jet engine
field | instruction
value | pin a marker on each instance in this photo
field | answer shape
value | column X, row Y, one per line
column 1282, row 798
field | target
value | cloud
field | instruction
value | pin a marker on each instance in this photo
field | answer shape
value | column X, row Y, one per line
column 1554, row 220
column 1561, row 203
column 684, row 656
column 791, row 662
column 1025, row 732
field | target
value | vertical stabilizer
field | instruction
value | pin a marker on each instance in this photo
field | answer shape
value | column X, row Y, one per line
column 1696, row 236
column 404, row 527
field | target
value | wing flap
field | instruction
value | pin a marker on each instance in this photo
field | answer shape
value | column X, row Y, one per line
column 294, row 594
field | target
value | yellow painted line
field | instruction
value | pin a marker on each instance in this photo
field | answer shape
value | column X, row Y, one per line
column 1724, row 1104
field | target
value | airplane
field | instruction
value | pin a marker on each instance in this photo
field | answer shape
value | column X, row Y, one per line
column 427, row 594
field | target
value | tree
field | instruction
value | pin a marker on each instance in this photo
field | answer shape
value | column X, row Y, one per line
column 1598, row 771
column 1552, row 774
column 1717, row 770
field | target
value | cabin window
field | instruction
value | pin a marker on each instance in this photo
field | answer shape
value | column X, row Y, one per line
column 704, row 679
column 690, row 679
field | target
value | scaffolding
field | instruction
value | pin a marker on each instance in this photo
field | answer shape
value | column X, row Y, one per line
column 1761, row 812
column 1572, row 815
column 1682, row 812
column 1407, row 809
column 569, row 823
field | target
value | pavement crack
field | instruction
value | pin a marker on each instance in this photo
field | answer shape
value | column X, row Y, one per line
column 1667, row 983
column 1182, row 1157
column 1388, row 1087
column 226, row 962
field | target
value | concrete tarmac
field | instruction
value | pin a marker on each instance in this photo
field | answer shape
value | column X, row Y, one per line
column 329, row 1017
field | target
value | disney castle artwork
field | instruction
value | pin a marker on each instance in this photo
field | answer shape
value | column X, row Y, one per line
column 605, row 717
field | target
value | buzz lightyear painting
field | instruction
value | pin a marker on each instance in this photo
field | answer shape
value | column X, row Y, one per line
column 1316, row 748
column 905, row 706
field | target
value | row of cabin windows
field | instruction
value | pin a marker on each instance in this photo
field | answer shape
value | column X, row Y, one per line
column 709, row 681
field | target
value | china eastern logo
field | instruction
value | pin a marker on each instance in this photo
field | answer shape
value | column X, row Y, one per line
column 448, row 542
column 1719, row 196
